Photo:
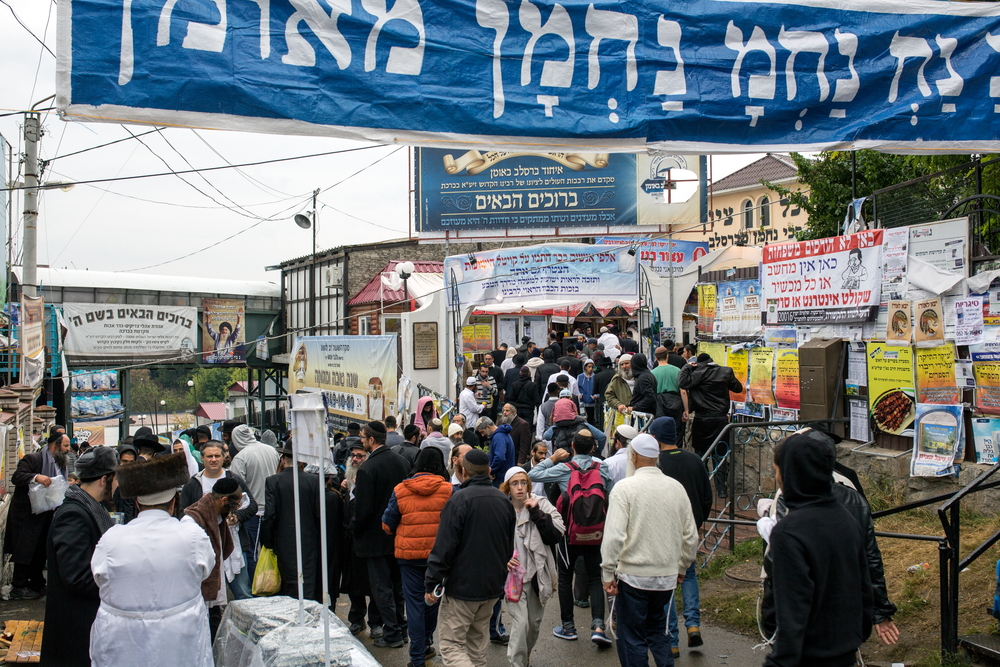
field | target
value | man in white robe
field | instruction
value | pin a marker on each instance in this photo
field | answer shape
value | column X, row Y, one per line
column 612, row 346
column 149, row 573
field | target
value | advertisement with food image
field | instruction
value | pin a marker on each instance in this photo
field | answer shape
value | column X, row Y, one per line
column 890, row 388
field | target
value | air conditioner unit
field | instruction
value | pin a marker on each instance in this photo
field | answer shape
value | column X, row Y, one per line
column 333, row 276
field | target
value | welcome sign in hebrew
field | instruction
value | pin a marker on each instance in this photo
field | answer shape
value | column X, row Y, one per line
column 680, row 75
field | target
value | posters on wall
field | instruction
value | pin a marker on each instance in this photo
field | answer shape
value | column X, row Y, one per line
column 532, row 274
column 928, row 319
column 90, row 434
column 832, row 280
column 938, row 441
column 857, row 368
column 738, row 308
column 936, row 375
column 969, row 321
column 987, row 374
column 32, row 332
column 858, row 410
column 661, row 255
column 112, row 334
column 739, row 361
column 707, row 306
column 357, row 374
column 898, row 323
column 986, row 438
column 786, row 382
column 761, row 375
column 95, row 395
column 223, row 341
column 890, row 388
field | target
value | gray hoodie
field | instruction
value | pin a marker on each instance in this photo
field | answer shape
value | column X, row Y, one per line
column 436, row 439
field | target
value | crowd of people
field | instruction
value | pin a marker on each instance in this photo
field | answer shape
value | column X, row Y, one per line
column 463, row 533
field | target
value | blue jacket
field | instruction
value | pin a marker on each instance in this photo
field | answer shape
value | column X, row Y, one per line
column 599, row 435
column 586, row 386
column 502, row 455
column 546, row 471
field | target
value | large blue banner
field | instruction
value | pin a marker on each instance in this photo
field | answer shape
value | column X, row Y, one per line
column 679, row 75
column 500, row 190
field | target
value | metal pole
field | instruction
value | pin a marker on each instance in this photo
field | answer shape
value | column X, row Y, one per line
column 29, row 261
column 323, row 547
column 312, row 269
column 670, row 268
column 298, row 533
column 946, row 633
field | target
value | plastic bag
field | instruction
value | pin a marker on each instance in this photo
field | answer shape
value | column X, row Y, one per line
column 514, row 585
column 267, row 577
column 46, row 498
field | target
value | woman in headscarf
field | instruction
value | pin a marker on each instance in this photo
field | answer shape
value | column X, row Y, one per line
column 424, row 414
column 538, row 526
column 508, row 362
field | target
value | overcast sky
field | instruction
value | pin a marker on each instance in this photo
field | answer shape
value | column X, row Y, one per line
column 129, row 225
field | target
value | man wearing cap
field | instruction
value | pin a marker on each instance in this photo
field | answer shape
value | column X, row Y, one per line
column 409, row 447
column 127, row 455
column 650, row 540
column 455, row 434
column 254, row 464
column 147, row 444
column 76, row 528
column 520, row 431
column 618, row 461
column 688, row 469
column 618, row 395
column 376, row 480
column 228, row 427
column 468, row 564
column 149, row 574
column 27, row 532
column 467, row 403
column 435, row 437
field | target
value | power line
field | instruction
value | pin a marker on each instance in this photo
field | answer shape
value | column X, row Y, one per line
column 18, row 19
column 250, row 179
column 94, row 148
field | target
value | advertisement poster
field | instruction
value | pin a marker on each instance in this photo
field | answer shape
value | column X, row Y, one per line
column 928, row 319
column 501, row 190
column 356, row 373
column 95, row 395
column 761, row 375
column 715, row 350
column 32, row 331
column 986, row 438
column 857, row 368
column 90, row 434
column 484, row 338
column 890, row 388
column 222, row 322
column 898, row 323
column 786, row 382
column 112, row 334
column 739, row 361
column 469, row 338
column 938, row 440
column 936, row 375
column 832, row 280
column 987, row 376
column 657, row 255
column 707, row 307
column 859, row 420
column 526, row 275
column 738, row 308
column 969, row 321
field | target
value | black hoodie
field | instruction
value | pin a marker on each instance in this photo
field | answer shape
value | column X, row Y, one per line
column 644, row 390
column 822, row 591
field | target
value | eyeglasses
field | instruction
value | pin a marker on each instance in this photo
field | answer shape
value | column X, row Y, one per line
column 357, row 456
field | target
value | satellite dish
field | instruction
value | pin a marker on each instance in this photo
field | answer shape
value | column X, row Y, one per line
column 303, row 221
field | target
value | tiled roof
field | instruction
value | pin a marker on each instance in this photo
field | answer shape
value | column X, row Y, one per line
column 374, row 291
column 214, row 411
column 771, row 167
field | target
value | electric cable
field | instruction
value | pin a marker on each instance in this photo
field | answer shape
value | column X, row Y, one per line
column 250, row 179
column 93, row 148
column 38, row 68
column 18, row 19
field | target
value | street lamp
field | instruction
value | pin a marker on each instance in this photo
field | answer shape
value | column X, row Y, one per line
column 405, row 270
column 306, row 222
column 194, row 412
column 163, row 404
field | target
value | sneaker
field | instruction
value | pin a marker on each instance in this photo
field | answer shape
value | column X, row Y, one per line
column 675, row 651
column 430, row 653
column 582, row 604
column 694, row 637
column 375, row 632
column 567, row 632
column 382, row 642
column 502, row 638
column 599, row 638
column 357, row 627
column 24, row 594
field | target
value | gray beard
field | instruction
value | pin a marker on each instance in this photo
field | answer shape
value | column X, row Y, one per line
column 505, row 419
column 625, row 373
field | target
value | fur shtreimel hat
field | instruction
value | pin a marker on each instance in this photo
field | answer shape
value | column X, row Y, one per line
column 150, row 480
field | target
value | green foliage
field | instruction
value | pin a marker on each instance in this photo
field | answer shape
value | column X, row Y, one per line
column 149, row 386
column 748, row 550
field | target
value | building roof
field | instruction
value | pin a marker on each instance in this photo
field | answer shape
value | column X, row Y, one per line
column 342, row 249
column 240, row 387
column 771, row 167
column 49, row 277
column 378, row 289
column 214, row 411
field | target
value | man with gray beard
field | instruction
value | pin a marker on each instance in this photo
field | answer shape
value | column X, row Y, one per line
column 520, row 432
column 618, row 395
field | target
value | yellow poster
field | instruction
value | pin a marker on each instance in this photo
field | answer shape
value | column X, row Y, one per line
column 987, row 387
column 469, row 338
column 715, row 350
column 786, row 383
column 706, row 309
column 739, row 362
column 890, row 387
column 484, row 337
column 761, row 371
column 936, row 375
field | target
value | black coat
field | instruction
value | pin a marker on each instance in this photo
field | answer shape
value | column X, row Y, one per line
column 475, row 540
column 24, row 529
column 524, row 395
column 644, row 392
column 277, row 530
column 708, row 386
column 377, row 477
column 575, row 365
column 509, row 378
column 408, row 451
column 191, row 493
column 542, row 375
column 73, row 597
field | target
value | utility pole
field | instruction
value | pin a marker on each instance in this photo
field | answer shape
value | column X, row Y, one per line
column 29, row 260
column 314, row 299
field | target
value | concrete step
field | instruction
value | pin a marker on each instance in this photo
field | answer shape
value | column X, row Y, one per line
column 983, row 649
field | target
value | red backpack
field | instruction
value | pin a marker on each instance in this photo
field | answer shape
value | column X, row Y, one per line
column 584, row 505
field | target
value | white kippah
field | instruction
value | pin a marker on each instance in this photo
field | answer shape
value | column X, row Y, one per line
column 645, row 445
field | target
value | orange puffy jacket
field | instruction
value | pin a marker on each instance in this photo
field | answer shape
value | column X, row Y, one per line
column 420, row 500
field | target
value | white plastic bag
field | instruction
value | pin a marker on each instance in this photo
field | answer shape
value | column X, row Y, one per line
column 45, row 498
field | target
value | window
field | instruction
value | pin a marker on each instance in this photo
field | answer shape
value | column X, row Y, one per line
column 364, row 325
column 748, row 214
column 765, row 212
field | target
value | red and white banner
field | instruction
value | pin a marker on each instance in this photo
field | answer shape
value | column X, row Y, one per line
column 828, row 280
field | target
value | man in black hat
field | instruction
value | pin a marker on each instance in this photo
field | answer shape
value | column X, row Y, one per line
column 228, row 427
column 76, row 527
column 26, row 531
column 344, row 446
column 147, row 443
column 377, row 478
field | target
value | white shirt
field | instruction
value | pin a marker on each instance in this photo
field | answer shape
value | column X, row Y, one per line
column 610, row 343
column 149, row 573
column 573, row 388
column 507, row 364
column 618, row 465
column 467, row 406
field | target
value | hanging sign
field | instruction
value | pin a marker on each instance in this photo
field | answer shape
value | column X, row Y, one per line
column 661, row 255
column 832, row 280
column 794, row 75
column 111, row 334
column 707, row 305
column 223, row 341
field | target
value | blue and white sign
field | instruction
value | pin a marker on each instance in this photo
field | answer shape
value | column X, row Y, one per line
column 661, row 255
column 542, row 273
column 683, row 75
column 501, row 190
